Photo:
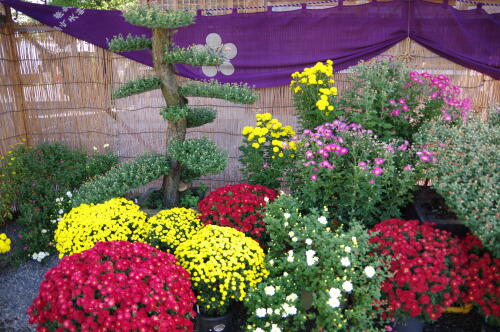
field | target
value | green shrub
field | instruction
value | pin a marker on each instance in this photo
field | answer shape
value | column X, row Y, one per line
column 40, row 181
column 136, row 86
column 121, row 179
column 153, row 17
column 319, row 277
column 197, row 156
column 129, row 43
column 467, row 174
column 236, row 93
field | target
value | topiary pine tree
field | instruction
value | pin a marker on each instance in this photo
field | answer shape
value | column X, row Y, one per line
column 178, row 113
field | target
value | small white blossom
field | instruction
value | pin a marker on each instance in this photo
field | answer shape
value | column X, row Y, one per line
column 285, row 274
column 61, row 211
column 334, row 292
column 39, row 256
column 322, row 220
column 95, row 149
column 345, row 261
column 286, row 215
column 258, row 330
column 275, row 328
column 44, row 231
column 276, row 311
column 58, row 200
column 271, row 262
column 53, row 221
column 292, row 297
column 354, row 240
column 285, row 224
column 266, row 199
column 347, row 286
column 290, row 310
column 347, row 249
column 310, row 257
column 334, row 302
column 69, row 194
column 369, row 271
column 290, row 256
column 261, row 312
column 291, row 234
column 269, row 290
column 269, row 311
column 106, row 145
column 309, row 241
column 294, row 239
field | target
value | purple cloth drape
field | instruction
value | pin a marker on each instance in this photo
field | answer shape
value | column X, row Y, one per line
column 263, row 49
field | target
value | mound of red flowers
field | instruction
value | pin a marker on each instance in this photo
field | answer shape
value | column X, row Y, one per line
column 239, row 206
column 482, row 277
column 118, row 286
column 426, row 268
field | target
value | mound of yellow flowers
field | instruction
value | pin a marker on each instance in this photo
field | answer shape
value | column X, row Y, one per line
column 115, row 220
column 4, row 243
column 169, row 228
column 224, row 264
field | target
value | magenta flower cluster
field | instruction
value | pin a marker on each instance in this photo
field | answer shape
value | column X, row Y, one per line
column 454, row 106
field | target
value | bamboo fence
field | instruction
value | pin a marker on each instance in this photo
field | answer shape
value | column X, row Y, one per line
column 55, row 88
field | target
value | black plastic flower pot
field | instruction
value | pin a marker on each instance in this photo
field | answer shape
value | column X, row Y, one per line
column 490, row 328
column 429, row 206
column 215, row 324
column 410, row 325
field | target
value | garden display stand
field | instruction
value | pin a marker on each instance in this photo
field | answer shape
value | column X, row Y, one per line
column 429, row 206
column 214, row 324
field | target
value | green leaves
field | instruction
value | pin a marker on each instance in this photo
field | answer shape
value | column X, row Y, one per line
column 194, row 56
column 196, row 116
column 130, row 43
column 198, row 156
column 139, row 85
column 155, row 17
column 236, row 93
column 121, row 179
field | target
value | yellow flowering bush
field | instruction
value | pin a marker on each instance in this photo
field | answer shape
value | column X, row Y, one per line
column 267, row 149
column 224, row 264
column 314, row 94
column 169, row 228
column 4, row 243
column 115, row 220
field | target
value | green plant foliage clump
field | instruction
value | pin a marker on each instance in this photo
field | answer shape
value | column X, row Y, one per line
column 194, row 56
column 197, row 156
column 198, row 116
column 40, row 182
column 467, row 173
column 174, row 113
column 121, row 179
column 154, row 17
column 318, row 276
column 236, row 93
column 136, row 86
column 129, row 43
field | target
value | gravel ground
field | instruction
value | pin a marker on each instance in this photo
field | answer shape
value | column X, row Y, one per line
column 19, row 287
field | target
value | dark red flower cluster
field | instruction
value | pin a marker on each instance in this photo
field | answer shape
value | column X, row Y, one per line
column 482, row 277
column 118, row 286
column 425, row 266
column 239, row 206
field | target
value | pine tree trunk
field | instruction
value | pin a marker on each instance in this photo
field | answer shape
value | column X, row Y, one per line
column 176, row 130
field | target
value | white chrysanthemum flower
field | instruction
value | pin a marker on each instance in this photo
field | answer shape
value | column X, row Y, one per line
column 290, row 256
column 258, row 330
column 322, row 220
column 275, row 328
column 347, row 286
column 309, row 241
column 286, row 215
column 269, row 290
column 290, row 310
column 334, row 292
column 269, row 311
column 261, row 312
column 310, row 257
column 347, row 249
column 294, row 239
column 292, row 297
column 43, row 231
column 334, row 302
column 285, row 224
column 345, row 261
column 291, row 234
column 61, row 211
column 369, row 271
column 285, row 274
column 69, row 194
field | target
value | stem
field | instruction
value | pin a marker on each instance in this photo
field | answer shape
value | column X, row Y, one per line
column 176, row 130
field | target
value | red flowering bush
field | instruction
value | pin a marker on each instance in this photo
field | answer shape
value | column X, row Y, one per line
column 482, row 277
column 118, row 286
column 425, row 265
column 239, row 206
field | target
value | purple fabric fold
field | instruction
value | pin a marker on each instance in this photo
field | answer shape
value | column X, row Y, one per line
column 263, row 49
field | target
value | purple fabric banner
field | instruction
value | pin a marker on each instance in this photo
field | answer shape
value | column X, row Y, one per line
column 263, row 49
